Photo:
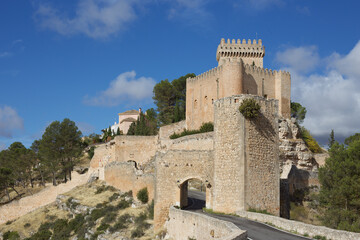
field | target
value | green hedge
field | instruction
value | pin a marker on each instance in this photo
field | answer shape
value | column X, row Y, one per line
column 206, row 127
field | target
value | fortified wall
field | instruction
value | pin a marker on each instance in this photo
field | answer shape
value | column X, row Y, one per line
column 240, row 71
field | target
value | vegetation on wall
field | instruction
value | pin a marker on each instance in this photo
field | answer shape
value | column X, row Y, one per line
column 340, row 191
column 170, row 99
column 205, row 127
column 249, row 108
column 310, row 141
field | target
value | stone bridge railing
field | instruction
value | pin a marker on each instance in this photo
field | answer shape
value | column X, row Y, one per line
column 184, row 225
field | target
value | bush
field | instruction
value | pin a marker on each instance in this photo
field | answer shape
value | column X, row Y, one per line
column 138, row 232
column 205, row 127
column 103, row 227
column 97, row 213
column 310, row 142
column 249, row 108
column 109, row 217
column 26, row 225
column 41, row 235
column 91, row 152
column 123, row 204
column 143, row 195
column 151, row 210
column 129, row 193
column 114, row 197
column 11, row 235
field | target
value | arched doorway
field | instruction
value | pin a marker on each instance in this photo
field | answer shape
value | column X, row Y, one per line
column 193, row 194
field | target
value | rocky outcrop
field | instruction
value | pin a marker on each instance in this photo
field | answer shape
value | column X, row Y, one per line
column 293, row 150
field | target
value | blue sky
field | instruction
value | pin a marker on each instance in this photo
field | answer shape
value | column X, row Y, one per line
column 91, row 59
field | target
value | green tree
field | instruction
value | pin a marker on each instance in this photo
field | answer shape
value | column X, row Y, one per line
column 298, row 112
column 170, row 99
column 331, row 138
column 340, row 187
column 145, row 125
column 39, row 167
column 352, row 138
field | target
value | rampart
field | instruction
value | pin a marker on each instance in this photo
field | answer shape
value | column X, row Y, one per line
column 251, row 53
column 184, row 225
column 125, row 176
column 172, row 169
column 246, row 167
column 167, row 130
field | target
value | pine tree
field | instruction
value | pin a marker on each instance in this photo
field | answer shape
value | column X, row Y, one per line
column 331, row 138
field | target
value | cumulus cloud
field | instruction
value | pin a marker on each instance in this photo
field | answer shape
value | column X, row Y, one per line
column 94, row 18
column 9, row 121
column 258, row 4
column 193, row 11
column 332, row 98
column 300, row 59
column 125, row 87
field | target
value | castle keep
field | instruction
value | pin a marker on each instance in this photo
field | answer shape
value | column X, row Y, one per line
column 238, row 162
column 240, row 71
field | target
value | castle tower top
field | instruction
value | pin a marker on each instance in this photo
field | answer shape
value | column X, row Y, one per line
column 251, row 53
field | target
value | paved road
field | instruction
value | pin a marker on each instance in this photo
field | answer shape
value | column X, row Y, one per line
column 256, row 231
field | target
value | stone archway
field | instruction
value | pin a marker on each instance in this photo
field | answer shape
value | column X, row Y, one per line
column 193, row 194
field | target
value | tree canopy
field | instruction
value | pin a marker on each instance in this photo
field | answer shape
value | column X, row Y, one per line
column 170, row 99
column 340, row 186
column 298, row 112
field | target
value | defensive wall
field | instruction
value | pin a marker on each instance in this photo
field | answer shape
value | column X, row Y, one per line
column 240, row 170
column 240, row 71
column 125, row 176
column 246, row 167
column 184, row 225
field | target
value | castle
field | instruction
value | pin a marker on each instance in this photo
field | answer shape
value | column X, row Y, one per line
column 238, row 162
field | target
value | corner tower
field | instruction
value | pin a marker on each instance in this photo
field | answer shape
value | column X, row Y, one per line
column 251, row 53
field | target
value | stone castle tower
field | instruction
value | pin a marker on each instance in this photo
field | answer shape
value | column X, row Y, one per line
column 240, row 71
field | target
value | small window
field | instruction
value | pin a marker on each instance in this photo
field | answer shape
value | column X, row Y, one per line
column 265, row 96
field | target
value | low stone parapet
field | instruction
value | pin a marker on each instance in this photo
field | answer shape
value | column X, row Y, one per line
column 184, row 225
column 299, row 227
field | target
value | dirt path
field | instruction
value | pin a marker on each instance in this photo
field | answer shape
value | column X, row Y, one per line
column 48, row 195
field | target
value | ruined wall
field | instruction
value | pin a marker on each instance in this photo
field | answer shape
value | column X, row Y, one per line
column 126, row 177
column 246, row 167
column 140, row 149
column 262, row 159
column 173, row 168
column 184, row 225
column 103, row 154
column 201, row 141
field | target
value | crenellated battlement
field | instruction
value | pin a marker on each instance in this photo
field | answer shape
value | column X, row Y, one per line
column 240, row 49
column 212, row 72
column 263, row 71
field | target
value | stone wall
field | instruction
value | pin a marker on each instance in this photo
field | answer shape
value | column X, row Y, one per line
column 262, row 158
column 173, row 168
column 183, row 225
column 299, row 227
column 246, row 168
column 139, row 149
column 201, row 141
column 126, row 177
column 167, row 130
column 103, row 154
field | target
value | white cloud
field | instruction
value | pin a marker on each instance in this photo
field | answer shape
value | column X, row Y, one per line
column 193, row 11
column 126, row 87
column 5, row 54
column 258, row 4
column 300, row 59
column 9, row 121
column 332, row 99
column 85, row 128
column 94, row 18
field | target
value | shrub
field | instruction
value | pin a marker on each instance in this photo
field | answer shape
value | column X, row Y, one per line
column 41, row 235
column 249, row 108
column 123, row 204
column 207, row 127
column 109, row 217
column 61, row 230
column 8, row 222
column 138, row 232
column 310, row 142
column 26, row 225
column 77, row 223
column 9, row 235
column 91, row 152
column 117, row 226
column 151, row 210
column 143, row 195
column 114, row 197
column 129, row 193
column 103, row 227
column 97, row 213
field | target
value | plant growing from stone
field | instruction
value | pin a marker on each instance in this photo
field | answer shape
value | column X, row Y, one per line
column 143, row 195
column 249, row 108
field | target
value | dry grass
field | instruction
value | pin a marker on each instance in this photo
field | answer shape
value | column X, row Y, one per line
column 304, row 213
column 24, row 192
column 35, row 219
column 87, row 196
